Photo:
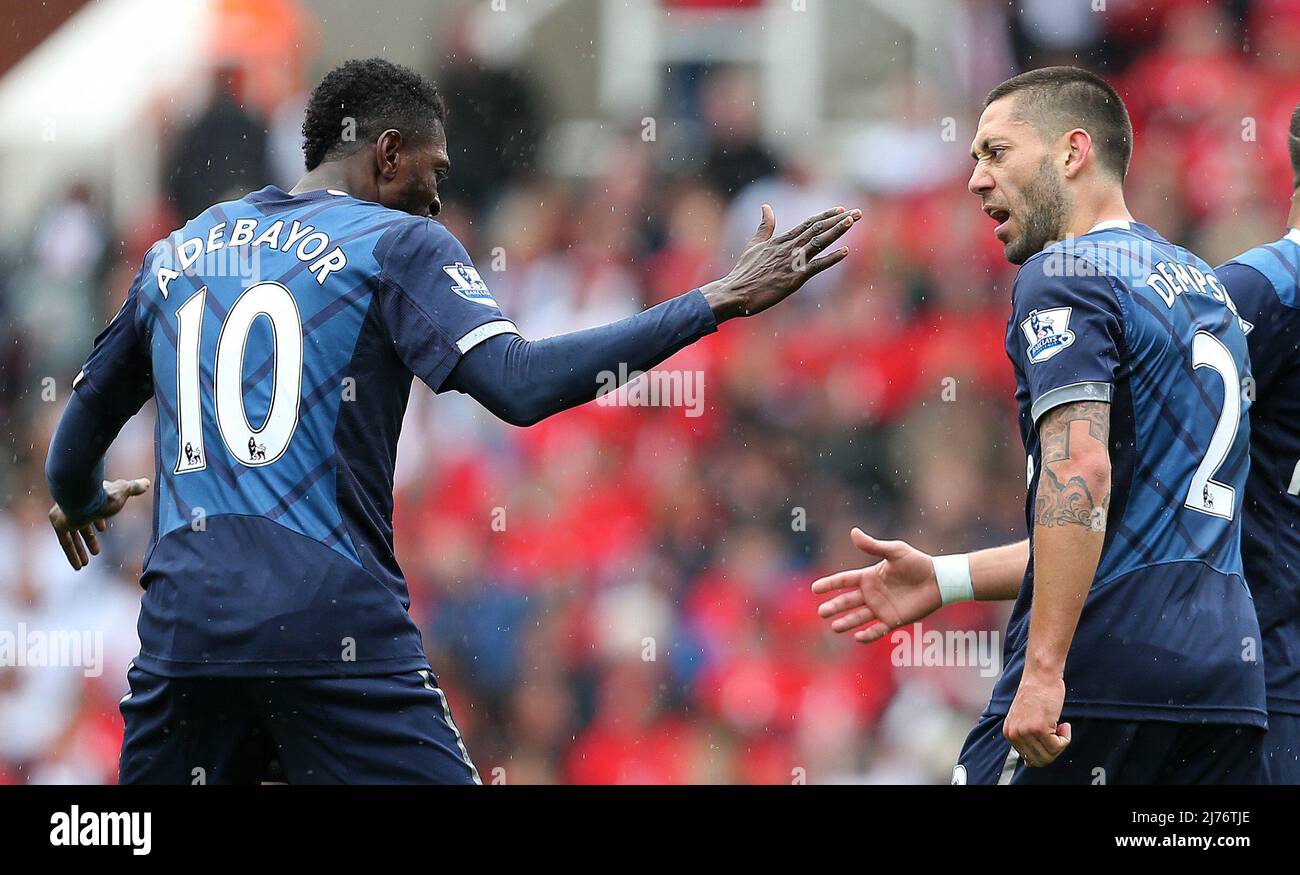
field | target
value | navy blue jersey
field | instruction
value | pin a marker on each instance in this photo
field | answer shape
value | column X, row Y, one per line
column 1264, row 283
column 1168, row 630
column 279, row 335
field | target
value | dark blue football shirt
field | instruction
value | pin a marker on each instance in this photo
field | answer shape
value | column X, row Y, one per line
column 279, row 334
column 1168, row 631
column 1263, row 282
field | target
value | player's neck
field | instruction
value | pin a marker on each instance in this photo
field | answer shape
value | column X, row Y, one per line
column 1107, row 208
column 330, row 175
column 1293, row 217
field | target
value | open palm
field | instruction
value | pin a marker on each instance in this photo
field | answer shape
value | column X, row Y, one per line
column 901, row 588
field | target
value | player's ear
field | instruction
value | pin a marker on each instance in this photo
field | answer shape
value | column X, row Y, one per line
column 386, row 149
column 1079, row 146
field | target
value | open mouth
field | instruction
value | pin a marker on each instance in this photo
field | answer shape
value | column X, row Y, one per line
column 1001, row 215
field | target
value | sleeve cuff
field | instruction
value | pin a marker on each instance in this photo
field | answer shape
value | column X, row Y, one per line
column 79, row 516
column 1085, row 391
column 708, row 321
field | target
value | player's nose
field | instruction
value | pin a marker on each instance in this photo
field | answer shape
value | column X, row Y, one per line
column 981, row 182
column 435, row 207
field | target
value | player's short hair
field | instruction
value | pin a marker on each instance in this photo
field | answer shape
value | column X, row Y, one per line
column 359, row 100
column 1293, row 146
column 1060, row 99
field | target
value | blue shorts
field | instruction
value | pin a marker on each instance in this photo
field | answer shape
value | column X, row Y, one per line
column 1282, row 749
column 1119, row 752
column 353, row 730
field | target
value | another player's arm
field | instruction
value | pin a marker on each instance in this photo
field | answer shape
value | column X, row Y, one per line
column 523, row 381
column 997, row 573
column 903, row 586
column 773, row 268
column 1069, row 529
column 74, row 471
column 1257, row 301
column 112, row 388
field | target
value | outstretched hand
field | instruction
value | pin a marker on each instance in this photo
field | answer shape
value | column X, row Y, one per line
column 901, row 588
column 773, row 268
column 79, row 541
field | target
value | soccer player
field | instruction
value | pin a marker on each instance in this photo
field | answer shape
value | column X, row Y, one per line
column 1132, row 654
column 1265, row 284
column 274, row 622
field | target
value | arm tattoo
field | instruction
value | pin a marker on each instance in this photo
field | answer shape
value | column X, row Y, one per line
column 1071, row 502
column 1054, row 431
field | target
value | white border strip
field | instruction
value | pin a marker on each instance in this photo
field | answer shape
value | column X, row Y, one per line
column 1085, row 391
column 1009, row 766
column 446, row 713
column 483, row 332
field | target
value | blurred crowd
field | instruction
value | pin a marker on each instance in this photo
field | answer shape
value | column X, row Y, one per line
column 620, row 593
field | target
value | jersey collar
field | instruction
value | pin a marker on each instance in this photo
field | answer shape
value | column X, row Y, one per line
column 1112, row 225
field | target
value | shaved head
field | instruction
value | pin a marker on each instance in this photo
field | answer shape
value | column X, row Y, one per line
column 1059, row 99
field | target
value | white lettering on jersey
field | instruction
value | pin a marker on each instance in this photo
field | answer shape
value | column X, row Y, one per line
column 304, row 241
column 1173, row 278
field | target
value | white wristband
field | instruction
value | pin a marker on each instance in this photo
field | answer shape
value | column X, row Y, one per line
column 953, row 574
